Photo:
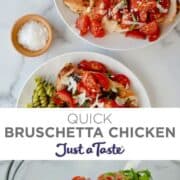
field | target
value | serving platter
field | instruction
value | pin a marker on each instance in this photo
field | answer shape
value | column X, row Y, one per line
column 112, row 41
column 50, row 69
column 65, row 170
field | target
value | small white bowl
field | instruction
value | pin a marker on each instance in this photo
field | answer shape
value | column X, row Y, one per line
column 113, row 41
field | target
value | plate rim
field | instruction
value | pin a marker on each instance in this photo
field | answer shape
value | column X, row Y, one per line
column 177, row 21
column 83, row 52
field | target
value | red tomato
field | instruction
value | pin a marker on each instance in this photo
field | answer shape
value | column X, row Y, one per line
column 92, row 66
column 102, row 80
column 155, row 36
column 133, row 4
column 96, row 17
column 107, row 3
column 145, row 8
column 143, row 15
column 83, row 24
column 122, row 79
column 66, row 97
column 97, row 29
column 90, row 83
column 81, row 88
column 147, row 5
column 136, row 34
column 79, row 178
column 150, row 28
column 57, row 101
column 165, row 3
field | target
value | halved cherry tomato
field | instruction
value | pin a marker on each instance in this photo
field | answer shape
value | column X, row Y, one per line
column 90, row 83
column 102, row 80
column 83, row 24
column 79, row 178
column 150, row 28
column 97, row 29
column 66, row 97
column 92, row 66
column 136, row 34
column 122, row 79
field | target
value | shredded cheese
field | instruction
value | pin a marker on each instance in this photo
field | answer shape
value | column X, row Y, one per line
column 118, row 6
column 81, row 98
column 70, row 83
column 97, row 103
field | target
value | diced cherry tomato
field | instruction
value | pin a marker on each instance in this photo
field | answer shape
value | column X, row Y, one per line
column 155, row 36
column 147, row 5
column 83, row 24
column 79, row 178
column 143, row 15
column 165, row 3
column 96, row 17
column 150, row 28
column 156, row 15
column 107, row 4
column 97, row 29
column 57, row 101
column 102, row 80
column 122, row 79
column 81, row 89
column 133, row 4
column 136, row 34
column 90, row 83
column 92, row 66
column 66, row 97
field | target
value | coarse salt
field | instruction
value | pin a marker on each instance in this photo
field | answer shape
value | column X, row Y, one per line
column 33, row 35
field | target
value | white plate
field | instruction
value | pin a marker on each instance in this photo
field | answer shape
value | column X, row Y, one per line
column 50, row 70
column 113, row 41
column 65, row 170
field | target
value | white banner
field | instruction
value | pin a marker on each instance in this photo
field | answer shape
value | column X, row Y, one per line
column 90, row 134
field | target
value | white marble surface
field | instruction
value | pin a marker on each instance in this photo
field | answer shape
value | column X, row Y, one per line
column 158, row 66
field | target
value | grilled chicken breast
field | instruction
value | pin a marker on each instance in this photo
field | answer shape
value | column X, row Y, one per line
column 65, row 72
column 77, row 6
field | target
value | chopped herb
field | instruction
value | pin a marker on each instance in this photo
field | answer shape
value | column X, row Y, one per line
column 109, row 94
column 76, row 77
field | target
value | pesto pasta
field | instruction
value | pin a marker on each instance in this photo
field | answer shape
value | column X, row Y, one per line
column 42, row 94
